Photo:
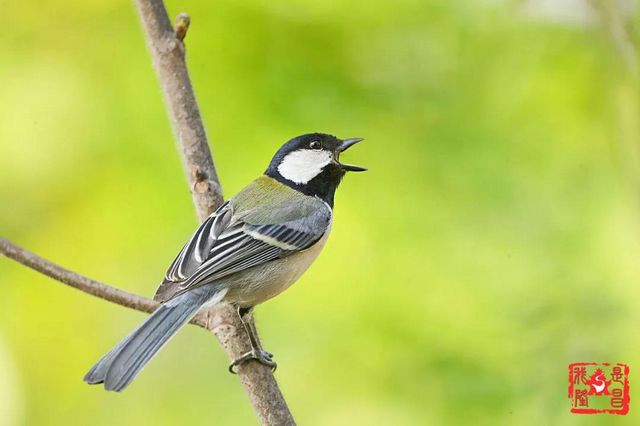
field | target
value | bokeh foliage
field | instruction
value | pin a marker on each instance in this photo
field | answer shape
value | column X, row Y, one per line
column 495, row 239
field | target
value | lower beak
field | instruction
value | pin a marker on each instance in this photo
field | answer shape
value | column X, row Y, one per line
column 344, row 145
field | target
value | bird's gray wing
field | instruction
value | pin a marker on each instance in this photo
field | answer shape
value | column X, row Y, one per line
column 194, row 252
column 227, row 243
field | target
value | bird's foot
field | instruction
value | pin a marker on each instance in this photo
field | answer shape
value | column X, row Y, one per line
column 263, row 357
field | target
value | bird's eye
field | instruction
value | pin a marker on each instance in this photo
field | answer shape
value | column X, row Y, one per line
column 315, row 145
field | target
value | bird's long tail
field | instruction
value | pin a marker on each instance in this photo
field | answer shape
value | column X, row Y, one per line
column 121, row 365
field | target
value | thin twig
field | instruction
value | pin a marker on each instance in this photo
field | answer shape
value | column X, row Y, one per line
column 618, row 26
column 82, row 283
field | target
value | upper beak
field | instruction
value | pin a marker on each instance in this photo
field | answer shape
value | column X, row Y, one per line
column 344, row 145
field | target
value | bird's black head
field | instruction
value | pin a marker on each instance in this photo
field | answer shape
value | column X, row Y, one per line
column 309, row 164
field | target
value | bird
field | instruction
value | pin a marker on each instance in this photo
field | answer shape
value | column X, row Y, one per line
column 252, row 248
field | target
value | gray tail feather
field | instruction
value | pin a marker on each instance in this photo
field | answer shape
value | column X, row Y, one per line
column 122, row 363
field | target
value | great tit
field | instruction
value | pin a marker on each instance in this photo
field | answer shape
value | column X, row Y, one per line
column 251, row 249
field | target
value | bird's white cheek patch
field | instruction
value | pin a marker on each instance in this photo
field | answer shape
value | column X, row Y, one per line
column 303, row 165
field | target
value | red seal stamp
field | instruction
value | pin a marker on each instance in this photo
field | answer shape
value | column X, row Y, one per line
column 599, row 388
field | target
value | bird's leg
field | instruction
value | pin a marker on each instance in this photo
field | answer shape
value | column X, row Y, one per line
column 256, row 351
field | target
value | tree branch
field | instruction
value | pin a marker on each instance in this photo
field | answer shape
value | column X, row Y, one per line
column 82, row 283
column 168, row 53
column 75, row 280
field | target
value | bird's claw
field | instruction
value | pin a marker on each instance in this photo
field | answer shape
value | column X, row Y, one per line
column 263, row 357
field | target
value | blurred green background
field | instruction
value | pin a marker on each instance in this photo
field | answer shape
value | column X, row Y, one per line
column 495, row 239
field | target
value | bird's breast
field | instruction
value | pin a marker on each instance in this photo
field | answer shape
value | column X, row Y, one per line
column 262, row 282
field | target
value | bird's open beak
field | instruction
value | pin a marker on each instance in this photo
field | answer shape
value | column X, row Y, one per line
column 344, row 145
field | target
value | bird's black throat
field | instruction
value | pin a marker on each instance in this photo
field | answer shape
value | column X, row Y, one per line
column 323, row 185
